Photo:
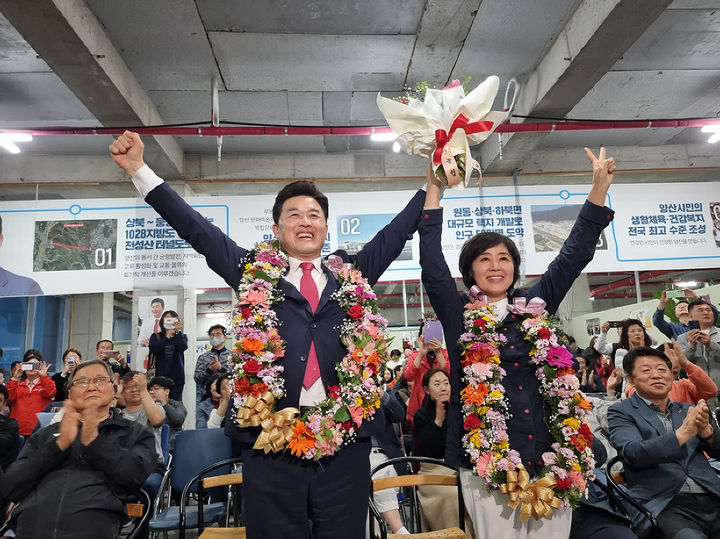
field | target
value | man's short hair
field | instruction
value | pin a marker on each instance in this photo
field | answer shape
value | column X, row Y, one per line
column 158, row 300
column 31, row 354
column 632, row 355
column 162, row 381
column 5, row 393
column 97, row 344
column 300, row 188
column 217, row 326
column 480, row 243
column 12, row 365
column 697, row 302
column 85, row 364
column 395, row 353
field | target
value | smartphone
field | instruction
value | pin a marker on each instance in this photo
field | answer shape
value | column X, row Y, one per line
column 31, row 366
column 615, row 323
column 111, row 353
column 675, row 293
column 692, row 324
column 432, row 330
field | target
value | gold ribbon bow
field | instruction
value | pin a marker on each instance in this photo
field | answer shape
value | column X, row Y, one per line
column 276, row 431
column 537, row 498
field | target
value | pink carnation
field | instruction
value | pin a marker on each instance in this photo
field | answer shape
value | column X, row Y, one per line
column 482, row 463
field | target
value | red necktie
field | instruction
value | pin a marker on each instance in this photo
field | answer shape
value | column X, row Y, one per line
column 156, row 328
column 309, row 290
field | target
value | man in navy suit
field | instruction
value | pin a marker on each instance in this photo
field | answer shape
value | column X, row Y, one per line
column 661, row 443
column 12, row 284
column 286, row 496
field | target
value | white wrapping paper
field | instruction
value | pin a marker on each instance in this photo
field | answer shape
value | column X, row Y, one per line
column 417, row 123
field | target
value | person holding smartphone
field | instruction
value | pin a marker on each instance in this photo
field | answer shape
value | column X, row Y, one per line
column 167, row 352
column 431, row 354
column 70, row 358
column 701, row 344
column 31, row 395
column 674, row 329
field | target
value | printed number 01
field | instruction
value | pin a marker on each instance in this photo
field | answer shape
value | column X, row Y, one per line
column 103, row 257
column 349, row 227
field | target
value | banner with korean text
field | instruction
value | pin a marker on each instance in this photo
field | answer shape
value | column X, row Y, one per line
column 96, row 245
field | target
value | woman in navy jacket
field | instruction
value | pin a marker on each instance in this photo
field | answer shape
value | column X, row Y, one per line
column 168, row 346
column 492, row 263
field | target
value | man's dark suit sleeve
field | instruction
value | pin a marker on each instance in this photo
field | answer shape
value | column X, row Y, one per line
column 221, row 253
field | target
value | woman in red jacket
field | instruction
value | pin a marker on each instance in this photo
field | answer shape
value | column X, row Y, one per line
column 31, row 394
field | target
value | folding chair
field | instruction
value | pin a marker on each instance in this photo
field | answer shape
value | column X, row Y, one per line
column 415, row 480
column 195, row 450
column 139, row 511
column 614, row 481
column 207, row 481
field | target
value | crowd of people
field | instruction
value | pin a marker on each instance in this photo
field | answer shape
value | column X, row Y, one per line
column 480, row 402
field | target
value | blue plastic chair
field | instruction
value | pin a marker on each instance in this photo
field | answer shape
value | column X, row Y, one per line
column 165, row 443
column 44, row 418
column 195, row 450
column 18, row 447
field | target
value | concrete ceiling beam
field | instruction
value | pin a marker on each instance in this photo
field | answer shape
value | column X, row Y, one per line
column 594, row 39
column 71, row 40
column 441, row 34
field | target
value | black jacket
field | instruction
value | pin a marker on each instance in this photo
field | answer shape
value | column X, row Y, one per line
column 8, row 439
column 78, row 493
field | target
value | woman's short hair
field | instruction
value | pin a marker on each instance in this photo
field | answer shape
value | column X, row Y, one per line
column 480, row 243
column 73, row 350
column 626, row 325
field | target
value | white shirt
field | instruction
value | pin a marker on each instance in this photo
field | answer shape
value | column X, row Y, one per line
column 316, row 392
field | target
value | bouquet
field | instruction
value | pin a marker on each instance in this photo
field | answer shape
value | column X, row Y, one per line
column 444, row 125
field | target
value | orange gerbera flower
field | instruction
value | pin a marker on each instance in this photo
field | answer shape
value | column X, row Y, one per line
column 302, row 439
column 585, row 404
column 475, row 394
column 253, row 345
column 357, row 354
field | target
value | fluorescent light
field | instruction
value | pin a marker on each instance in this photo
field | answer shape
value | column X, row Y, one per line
column 10, row 146
column 592, row 298
column 199, row 291
column 714, row 138
column 712, row 128
column 396, row 147
column 7, row 141
column 383, row 137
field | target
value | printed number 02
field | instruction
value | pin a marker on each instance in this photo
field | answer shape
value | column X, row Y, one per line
column 349, row 227
column 103, row 257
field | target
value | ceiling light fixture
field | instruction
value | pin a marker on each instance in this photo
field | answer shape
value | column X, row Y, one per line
column 715, row 130
column 396, row 147
column 686, row 284
column 383, row 137
column 8, row 140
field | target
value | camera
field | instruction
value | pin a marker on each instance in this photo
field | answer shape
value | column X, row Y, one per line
column 615, row 323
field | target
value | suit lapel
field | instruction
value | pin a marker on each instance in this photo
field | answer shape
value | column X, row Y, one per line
column 330, row 287
column 289, row 291
column 650, row 416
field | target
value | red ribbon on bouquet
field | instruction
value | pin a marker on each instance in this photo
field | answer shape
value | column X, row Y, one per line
column 442, row 154
column 442, row 137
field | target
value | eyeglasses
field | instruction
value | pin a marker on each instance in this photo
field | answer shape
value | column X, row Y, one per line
column 84, row 383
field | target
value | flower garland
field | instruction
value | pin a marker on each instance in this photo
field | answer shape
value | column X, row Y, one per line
column 570, row 465
column 258, row 381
